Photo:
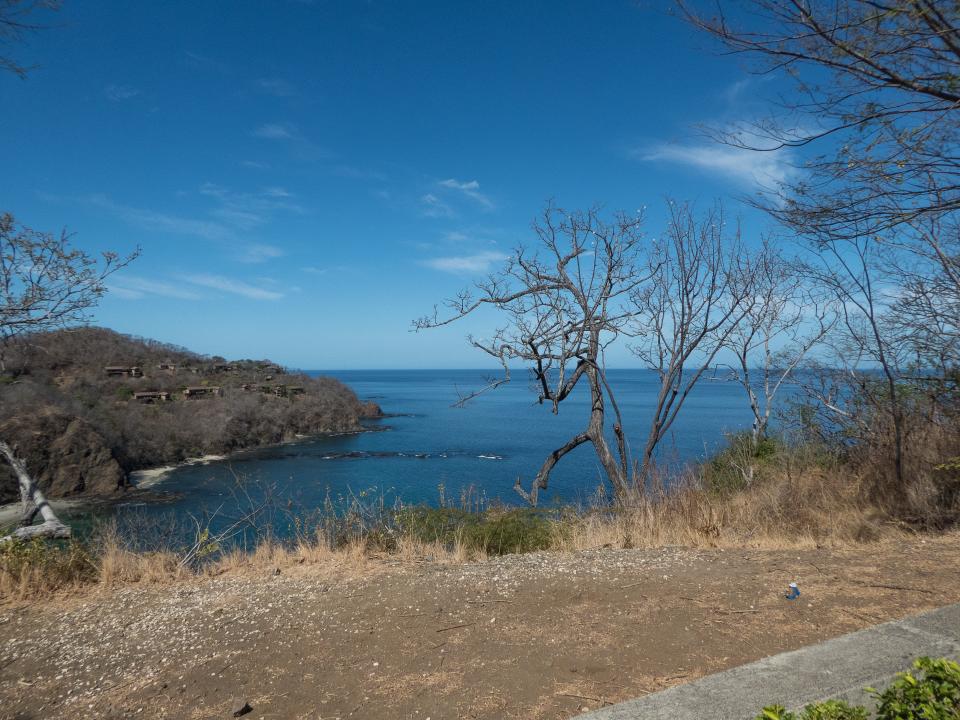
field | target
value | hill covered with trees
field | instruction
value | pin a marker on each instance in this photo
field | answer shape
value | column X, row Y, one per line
column 86, row 406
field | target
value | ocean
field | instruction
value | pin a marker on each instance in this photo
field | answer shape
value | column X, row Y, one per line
column 426, row 448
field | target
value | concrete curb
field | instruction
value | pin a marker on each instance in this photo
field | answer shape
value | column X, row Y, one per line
column 838, row 668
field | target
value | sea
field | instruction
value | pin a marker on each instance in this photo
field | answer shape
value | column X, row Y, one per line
column 427, row 449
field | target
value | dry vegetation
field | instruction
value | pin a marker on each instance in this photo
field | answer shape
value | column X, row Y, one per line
column 55, row 385
column 799, row 498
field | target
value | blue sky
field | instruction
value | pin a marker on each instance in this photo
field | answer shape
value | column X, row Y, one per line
column 305, row 178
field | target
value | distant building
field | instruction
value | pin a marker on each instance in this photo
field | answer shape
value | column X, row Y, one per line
column 152, row 396
column 123, row 371
column 296, row 390
column 203, row 391
column 167, row 366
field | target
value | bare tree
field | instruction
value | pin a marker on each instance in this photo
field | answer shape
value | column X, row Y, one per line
column 850, row 270
column 926, row 316
column 876, row 109
column 44, row 284
column 878, row 78
column 688, row 311
column 565, row 303
column 784, row 319
column 15, row 23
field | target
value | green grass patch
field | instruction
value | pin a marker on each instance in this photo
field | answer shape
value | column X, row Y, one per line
column 495, row 532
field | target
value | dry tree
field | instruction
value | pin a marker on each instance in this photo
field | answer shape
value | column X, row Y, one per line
column 45, row 283
column 565, row 302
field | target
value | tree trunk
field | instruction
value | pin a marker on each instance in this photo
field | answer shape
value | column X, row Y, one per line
column 34, row 502
column 540, row 482
column 595, row 430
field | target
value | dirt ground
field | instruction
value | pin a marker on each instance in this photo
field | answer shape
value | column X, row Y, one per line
column 533, row 636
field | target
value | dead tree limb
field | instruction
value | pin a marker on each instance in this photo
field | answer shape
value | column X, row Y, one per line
column 34, row 502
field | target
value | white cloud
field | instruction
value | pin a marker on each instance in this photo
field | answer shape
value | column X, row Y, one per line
column 313, row 270
column 242, row 219
column 135, row 287
column 276, row 131
column 435, row 207
column 470, row 189
column 276, row 87
column 261, row 253
column 752, row 167
column 479, row 263
column 254, row 164
column 235, row 287
column 119, row 93
column 162, row 222
column 246, row 211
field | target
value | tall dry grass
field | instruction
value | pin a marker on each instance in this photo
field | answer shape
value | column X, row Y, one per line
column 792, row 497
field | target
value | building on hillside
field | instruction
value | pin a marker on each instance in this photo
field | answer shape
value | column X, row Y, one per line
column 123, row 371
column 152, row 396
column 296, row 390
column 167, row 366
column 203, row 391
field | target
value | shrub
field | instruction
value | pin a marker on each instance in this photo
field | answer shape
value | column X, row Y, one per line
column 495, row 532
column 726, row 471
column 829, row 710
column 35, row 567
column 933, row 693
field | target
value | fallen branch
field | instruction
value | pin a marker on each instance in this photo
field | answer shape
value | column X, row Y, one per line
column 34, row 502
column 898, row 587
column 455, row 627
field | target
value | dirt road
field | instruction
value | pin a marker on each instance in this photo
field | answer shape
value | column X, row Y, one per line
column 533, row 636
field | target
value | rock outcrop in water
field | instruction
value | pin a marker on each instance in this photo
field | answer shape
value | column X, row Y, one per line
column 85, row 407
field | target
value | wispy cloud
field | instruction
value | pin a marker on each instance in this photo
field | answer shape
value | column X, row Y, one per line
column 161, row 222
column 276, row 87
column 246, row 211
column 478, row 263
column 313, row 270
column 276, row 131
column 232, row 286
column 470, row 189
column 432, row 206
column 203, row 62
column 133, row 287
column 750, row 167
column 254, row 164
column 355, row 173
column 258, row 253
column 119, row 93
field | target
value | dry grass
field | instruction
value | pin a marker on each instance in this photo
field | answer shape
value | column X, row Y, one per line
column 796, row 498
column 802, row 512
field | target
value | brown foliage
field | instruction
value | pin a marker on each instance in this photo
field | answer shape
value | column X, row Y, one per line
column 62, row 374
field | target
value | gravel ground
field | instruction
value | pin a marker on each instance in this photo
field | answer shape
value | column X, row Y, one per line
column 533, row 636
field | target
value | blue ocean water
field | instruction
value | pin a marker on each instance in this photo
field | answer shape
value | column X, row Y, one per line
column 427, row 443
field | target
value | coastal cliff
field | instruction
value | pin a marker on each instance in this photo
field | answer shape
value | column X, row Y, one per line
column 85, row 407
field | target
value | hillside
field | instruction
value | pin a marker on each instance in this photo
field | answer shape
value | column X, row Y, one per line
column 87, row 406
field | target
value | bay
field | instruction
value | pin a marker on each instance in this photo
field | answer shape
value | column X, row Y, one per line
column 427, row 449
